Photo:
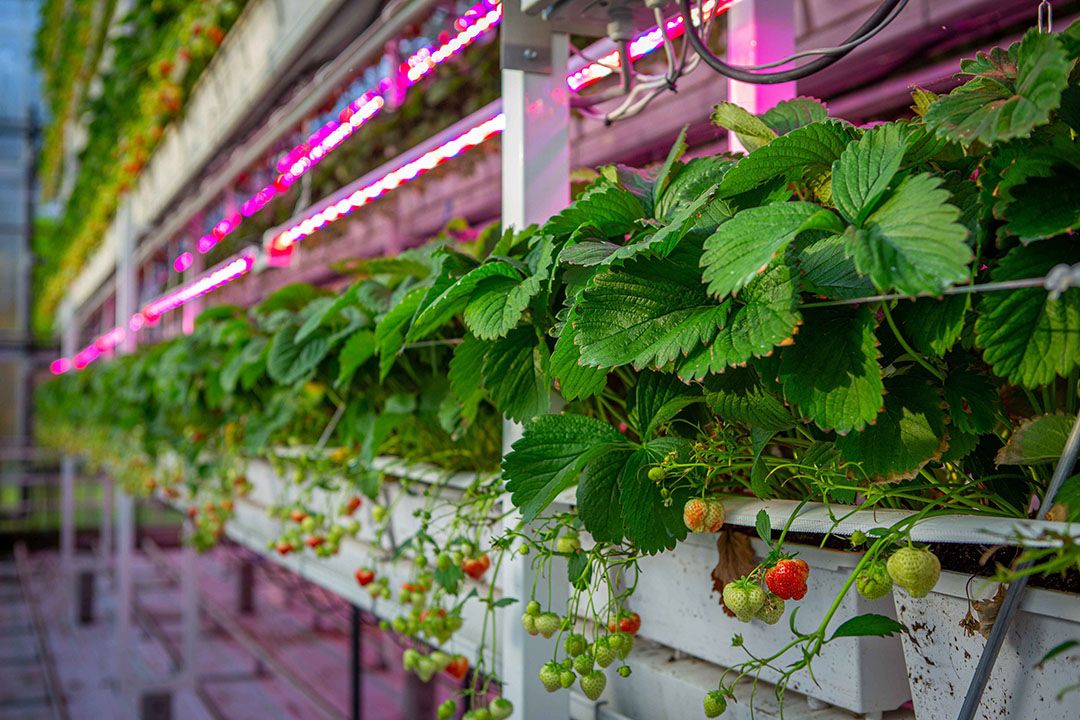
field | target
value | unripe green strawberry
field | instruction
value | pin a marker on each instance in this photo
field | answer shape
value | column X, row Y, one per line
column 583, row 664
column 408, row 659
column 477, row 714
column 593, row 684
column 715, row 704
column 773, row 609
column 622, row 643
column 657, row 473
column 602, row 652
column 874, row 581
column 500, row 709
column 916, row 571
column 744, row 597
column 547, row 624
column 576, row 644
column 533, row 608
column 703, row 515
column 566, row 678
column 425, row 668
column 549, row 676
column 529, row 623
column 447, row 710
column 441, row 659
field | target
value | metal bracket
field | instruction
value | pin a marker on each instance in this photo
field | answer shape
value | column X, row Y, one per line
column 527, row 58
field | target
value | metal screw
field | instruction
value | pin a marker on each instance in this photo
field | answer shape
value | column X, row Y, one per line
column 531, row 54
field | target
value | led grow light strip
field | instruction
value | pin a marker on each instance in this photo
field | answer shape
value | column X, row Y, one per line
column 223, row 274
column 301, row 159
column 405, row 173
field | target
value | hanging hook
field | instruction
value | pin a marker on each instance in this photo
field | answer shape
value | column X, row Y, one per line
column 1046, row 17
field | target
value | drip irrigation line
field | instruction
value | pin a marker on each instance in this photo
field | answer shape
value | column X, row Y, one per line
column 1056, row 282
column 1011, row 602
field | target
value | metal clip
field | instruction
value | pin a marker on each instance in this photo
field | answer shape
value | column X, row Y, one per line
column 1046, row 17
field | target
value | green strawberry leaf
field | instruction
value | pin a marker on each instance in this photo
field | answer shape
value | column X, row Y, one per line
column 827, row 270
column 449, row 296
column 576, row 381
column 548, row 458
column 868, row 625
column 912, row 242
column 646, row 313
column 933, row 325
column 1038, row 440
column 788, row 115
column 909, row 433
column 803, row 155
column 466, row 380
column 355, row 352
column 866, row 167
column 671, row 165
column 516, row 374
column 391, row 329
column 498, row 303
column 763, row 317
column 831, row 373
column 1027, row 337
column 658, row 397
column 607, row 207
column 763, row 526
column 1010, row 93
column 696, row 177
column 599, row 501
column 743, row 247
column 737, row 395
column 650, row 523
column 972, row 400
column 290, row 361
column 752, row 132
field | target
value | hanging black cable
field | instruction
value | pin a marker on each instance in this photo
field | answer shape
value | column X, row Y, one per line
column 881, row 17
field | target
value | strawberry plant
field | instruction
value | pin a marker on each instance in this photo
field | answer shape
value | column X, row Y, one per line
column 859, row 318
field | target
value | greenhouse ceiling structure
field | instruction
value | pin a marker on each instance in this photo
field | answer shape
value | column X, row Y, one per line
column 585, row 359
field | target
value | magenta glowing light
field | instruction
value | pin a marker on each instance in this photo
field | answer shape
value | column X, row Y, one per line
column 183, row 261
column 221, row 275
column 477, row 20
column 407, row 172
column 59, row 366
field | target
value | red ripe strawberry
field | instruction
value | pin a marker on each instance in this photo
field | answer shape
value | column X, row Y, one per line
column 630, row 623
column 313, row 541
column 351, row 505
column 216, row 34
column 485, row 561
column 283, row 548
column 787, row 579
column 192, row 512
column 298, row 516
column 364, row 576
column 474, row 568
column 458, row 667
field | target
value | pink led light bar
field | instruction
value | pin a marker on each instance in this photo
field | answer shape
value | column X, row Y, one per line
column 183, row 261
column 641, row 46
column 221, row 275
column 301, row 159
column 59, row 366
column 405, row 173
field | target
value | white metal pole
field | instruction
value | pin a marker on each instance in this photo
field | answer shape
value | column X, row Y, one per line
column 68, row 343
column 759, row 31
column 125, row 503
column 535, row 185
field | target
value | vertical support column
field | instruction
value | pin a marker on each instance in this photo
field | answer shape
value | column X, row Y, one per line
column 125, row 503
column 759, row 31
column 68, row 348
column 535, row 185
column 189, row 598
column 356, row 664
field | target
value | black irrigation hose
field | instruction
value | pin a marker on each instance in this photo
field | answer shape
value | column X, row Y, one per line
column 1016, row 588
column 736, row 73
